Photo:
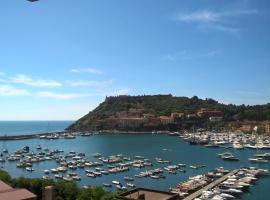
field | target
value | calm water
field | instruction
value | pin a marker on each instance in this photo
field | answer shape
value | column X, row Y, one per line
column 30, row 127
column 147, row 145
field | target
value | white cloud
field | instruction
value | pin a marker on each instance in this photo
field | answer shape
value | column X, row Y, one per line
column 63, row 96
column 26, row 80
column 203, row 16
column 208, row 16
column 86, row 70
column 221, row 21
column 8, row 90
column 86, row 83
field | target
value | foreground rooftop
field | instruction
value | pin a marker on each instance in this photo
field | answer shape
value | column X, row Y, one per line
column 149, row 194
column 9, row 193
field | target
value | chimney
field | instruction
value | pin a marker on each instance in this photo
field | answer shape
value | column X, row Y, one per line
column 48, row 193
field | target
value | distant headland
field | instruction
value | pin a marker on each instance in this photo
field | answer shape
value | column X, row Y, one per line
column 171, row 113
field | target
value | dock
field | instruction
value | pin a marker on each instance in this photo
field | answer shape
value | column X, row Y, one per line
column 210, row 186
column 30, row 136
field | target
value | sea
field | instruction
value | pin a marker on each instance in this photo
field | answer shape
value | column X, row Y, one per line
column 31, row 127
column 147, row 145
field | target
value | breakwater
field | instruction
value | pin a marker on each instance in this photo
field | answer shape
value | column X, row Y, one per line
column 31, row 136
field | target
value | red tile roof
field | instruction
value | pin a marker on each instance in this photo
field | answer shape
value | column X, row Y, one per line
column 9, row 193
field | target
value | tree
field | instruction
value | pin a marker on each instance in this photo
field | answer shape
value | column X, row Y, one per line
column 97, row 193
column 4, row 176
column 67, row 190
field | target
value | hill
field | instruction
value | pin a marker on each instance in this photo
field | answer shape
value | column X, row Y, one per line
column 155, row 112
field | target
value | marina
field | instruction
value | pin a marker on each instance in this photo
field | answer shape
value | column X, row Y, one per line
column 210, row 186
column 229, row 186
column 103, row 160
column 115, row 100
column 236, row 140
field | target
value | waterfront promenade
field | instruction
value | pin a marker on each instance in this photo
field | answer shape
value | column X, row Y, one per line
column 210, row 186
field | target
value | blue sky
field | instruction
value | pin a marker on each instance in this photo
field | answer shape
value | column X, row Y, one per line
column 59, row 59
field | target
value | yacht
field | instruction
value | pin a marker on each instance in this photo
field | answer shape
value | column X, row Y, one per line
column 116, row 182
column 106, row 185
column 45, row 177
column 67, row 178
column 70, row 137
column 154, row 176
column 237, row 145
column 91, row 175
column 258, row 160
column 232, row 191
column 104, row 172
column 76, row 178
column 128, row 178
column 58, row 176
column 30, row 169
column 131, row 185
column 264, row 155
column 121, row 187
column 227, row 196
column 96, row 155
column 229, row 157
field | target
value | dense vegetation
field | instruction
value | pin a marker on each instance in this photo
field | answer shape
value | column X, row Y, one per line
column 166, row 104
column 64, row 190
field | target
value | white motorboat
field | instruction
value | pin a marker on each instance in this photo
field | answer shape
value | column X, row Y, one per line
column 258, row 160
column 116, row 182
column 131, row 185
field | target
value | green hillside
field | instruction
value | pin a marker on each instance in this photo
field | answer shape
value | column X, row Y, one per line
column 164, row 105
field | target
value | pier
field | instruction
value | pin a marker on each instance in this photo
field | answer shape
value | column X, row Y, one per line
column 30, row 136
column 210, row 186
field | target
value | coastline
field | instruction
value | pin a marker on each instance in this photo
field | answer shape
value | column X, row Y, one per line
column 75, row 133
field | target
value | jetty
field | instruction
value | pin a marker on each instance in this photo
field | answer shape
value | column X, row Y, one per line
column 31, row 136
column 210, row 186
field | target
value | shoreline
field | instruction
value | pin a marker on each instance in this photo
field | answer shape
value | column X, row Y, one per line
column 63, row 133
column 86, row 133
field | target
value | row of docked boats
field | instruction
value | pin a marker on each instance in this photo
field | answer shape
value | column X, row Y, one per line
column 67, row 135
column 159, row 173
column 260, row 158
column 118, row 185
column 229, row 188
column 234, row 186
column 227, row 140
